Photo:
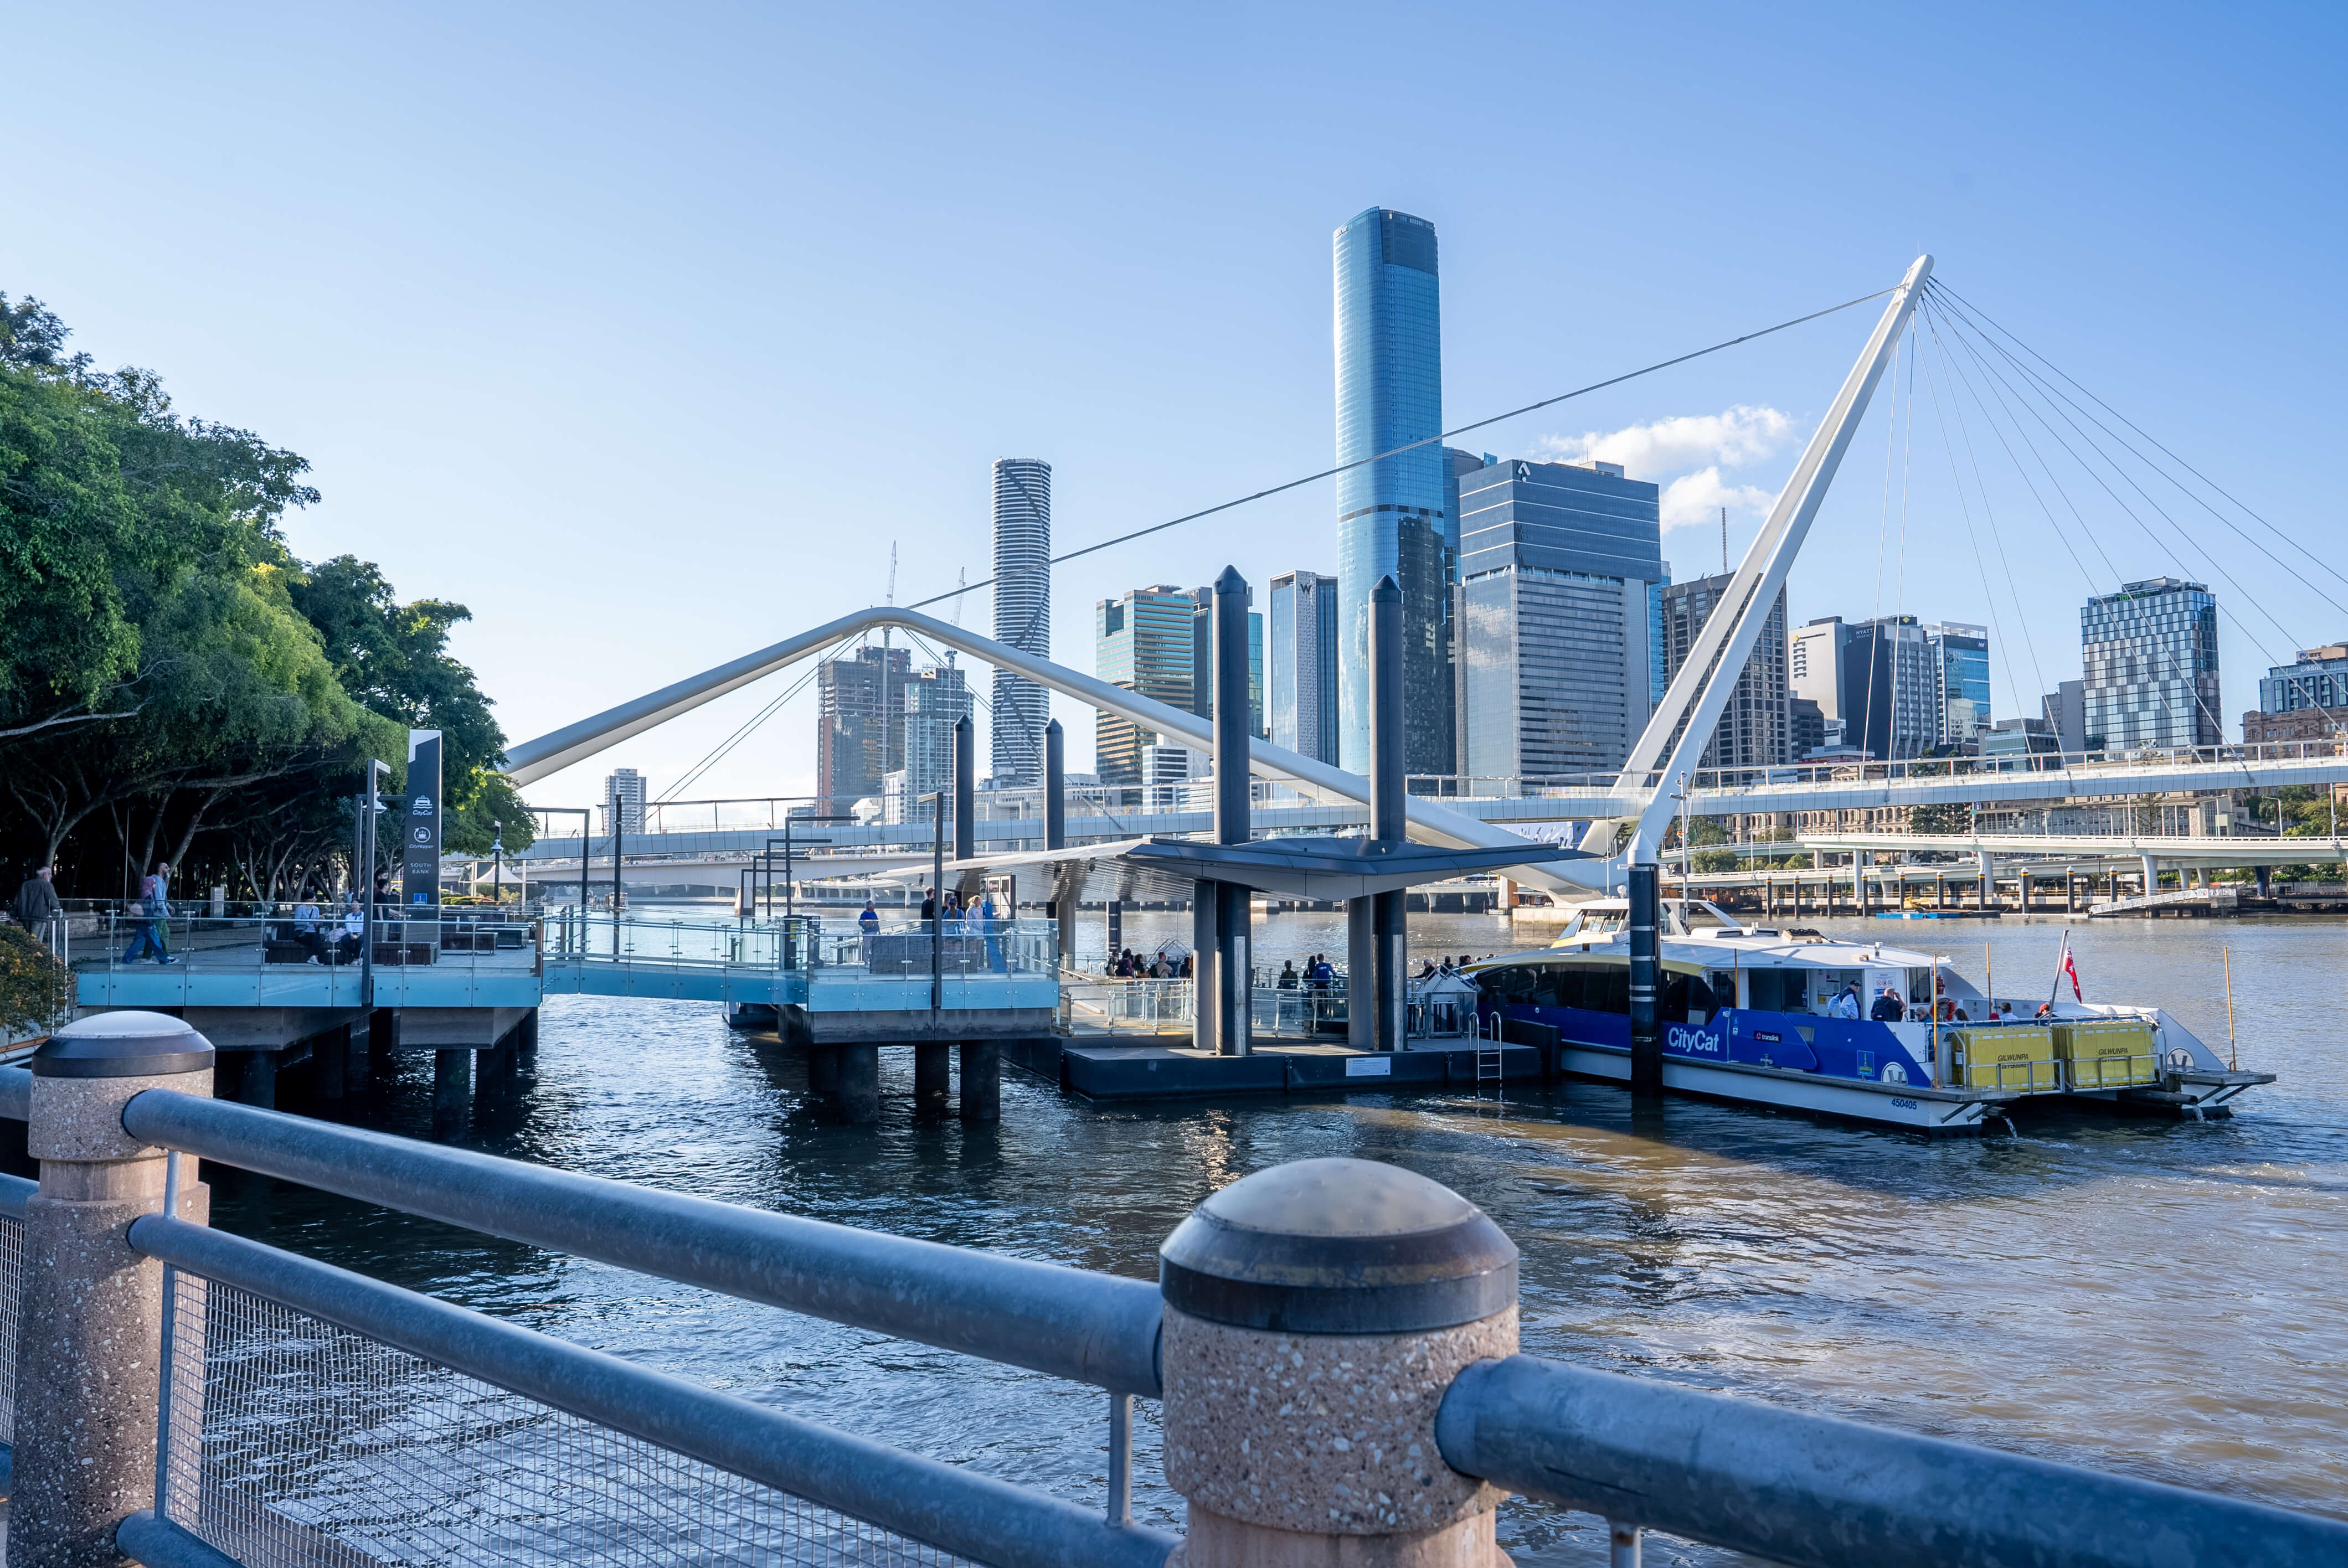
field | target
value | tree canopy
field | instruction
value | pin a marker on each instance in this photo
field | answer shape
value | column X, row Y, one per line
column 173, row 680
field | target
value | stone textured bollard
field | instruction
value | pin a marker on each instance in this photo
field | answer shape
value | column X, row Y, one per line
column 1315, row 1313
column 89, row 1338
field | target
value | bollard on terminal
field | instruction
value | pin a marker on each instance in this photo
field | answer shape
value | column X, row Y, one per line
column 1315, row 1315
column 90, row 1331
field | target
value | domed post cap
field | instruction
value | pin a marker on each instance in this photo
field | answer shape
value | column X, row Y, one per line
column 129, row 1044
column 1338, row 1246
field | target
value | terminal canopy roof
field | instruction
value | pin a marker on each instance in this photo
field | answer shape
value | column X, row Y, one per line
column 1323, row 869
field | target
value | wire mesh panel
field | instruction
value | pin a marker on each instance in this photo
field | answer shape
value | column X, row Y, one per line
column 291, row 1443
column 12, row 1297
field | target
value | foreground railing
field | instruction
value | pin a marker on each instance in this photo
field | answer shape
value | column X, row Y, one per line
column 304, row 1414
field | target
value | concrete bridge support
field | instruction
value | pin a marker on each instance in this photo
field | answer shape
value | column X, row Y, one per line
column 452, row 1091
column 982, row 1079
column 932, row 1077
column 860, row 1082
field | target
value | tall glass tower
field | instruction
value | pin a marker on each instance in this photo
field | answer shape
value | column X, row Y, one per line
column 1391, row 513
column 1023, row 613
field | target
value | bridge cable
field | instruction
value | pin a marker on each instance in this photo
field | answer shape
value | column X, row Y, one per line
column 725, row 747
column 1427, row 441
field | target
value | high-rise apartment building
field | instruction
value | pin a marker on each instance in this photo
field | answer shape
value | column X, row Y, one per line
column 1023, row 614
column 1893, row 693
column 1814, row 664
column 1560, row 617
column 2150, row 667
column 1141, row 642
column 625, row 788
column 1962, row 651
column 859, row 737
column 2065, row 710
column 1202, row 659
column 1391, row 513
column 1300, row 664
column 935, row 698
column 1755, row 729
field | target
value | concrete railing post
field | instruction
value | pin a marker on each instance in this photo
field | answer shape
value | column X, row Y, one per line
column 89, row 1336
column 1315, row 1315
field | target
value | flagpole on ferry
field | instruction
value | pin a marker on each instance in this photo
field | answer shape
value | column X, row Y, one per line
column 2055, row 991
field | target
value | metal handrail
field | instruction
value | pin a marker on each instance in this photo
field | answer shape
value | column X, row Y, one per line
column 946, row 1506
column 1069, row 1323
column 1816, row 1492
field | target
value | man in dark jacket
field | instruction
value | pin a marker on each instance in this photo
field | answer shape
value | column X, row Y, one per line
column 37, row 907
column 1887, row 1009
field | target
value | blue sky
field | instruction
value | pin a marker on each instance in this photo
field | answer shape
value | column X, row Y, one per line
column 646, row 332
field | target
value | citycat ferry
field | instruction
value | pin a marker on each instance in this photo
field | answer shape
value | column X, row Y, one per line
column 1749, row 1014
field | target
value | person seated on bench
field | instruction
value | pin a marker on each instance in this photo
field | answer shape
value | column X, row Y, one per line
column 307, row 932
column 347, row 947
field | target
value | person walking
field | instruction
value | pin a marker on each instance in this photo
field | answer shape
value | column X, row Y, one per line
column 989, row 924
column 38, row 908
column 153, row 909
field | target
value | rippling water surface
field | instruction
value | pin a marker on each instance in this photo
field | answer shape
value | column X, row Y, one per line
column 2153, row 1297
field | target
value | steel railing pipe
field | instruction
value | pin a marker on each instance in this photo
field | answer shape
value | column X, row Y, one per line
column 14, row 1192
column 945, row 1506
column 16, row 1093
column 1069, row 1323
column 1814, row 1491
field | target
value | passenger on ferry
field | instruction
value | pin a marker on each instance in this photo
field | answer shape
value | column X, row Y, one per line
column 1289, row 978
column 1845, row 1002
column 1889, row 1008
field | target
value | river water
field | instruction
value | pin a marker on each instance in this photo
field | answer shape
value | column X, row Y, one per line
column 2151, row 1297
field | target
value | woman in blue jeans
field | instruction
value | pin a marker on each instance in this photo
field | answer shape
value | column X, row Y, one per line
column 154, row 906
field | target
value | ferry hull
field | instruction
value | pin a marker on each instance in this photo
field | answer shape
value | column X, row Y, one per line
column 1938, row 1112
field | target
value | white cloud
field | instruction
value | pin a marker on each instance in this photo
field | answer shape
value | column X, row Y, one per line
column 1739, row 436
column 1697, row 497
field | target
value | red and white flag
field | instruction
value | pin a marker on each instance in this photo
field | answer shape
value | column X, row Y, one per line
column 2067, row 969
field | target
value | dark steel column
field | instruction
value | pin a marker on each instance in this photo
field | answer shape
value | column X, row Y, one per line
column 1389, row 815
column 452, row 1091
column 1056, row 837
column 860, row 1082
column 966, row 789
column 1647, row 1039
column 1206, row 951
column 932, row 1077
column 982, row 1081
column 1232, row 824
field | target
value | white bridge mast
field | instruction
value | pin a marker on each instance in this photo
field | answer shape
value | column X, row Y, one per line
column 1727, row 639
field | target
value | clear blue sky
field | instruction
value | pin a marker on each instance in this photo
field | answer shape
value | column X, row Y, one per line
column 643, row 333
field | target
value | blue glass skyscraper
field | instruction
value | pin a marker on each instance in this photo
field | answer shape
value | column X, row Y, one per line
column 1391, row 517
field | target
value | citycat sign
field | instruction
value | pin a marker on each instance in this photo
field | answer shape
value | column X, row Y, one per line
column 1695, row 1040
column 419, row 860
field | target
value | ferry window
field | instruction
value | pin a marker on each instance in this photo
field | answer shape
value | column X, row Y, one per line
column 1614, row 995
column 1778, row 990
column 1565, row 986
column 1683, row 994
column 1724, row 987
column 1514, row 984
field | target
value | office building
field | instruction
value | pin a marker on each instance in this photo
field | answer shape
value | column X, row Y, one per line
column 1142, row 641
column 934, row 698
column 1755, row 729
column 1023, row 614
column 859, row 736
column 1391, row 513
column 2065, row 711
column 625, row 788
column 1202, row 659
column 2306, row 701
column 1806, row 728
column 1961, row 653
column 2150, row 667
column 1300, row 664
column 2018, row 745
column 1560, row 617
column 1893, row 694
column 1166, row 768
column 1814, row 664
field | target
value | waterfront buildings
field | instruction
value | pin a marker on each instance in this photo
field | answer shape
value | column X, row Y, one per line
column 1023, row 614
column 1202, row 659
column 1814, row 669
column 624, row 787
column 1755, row 729
column 859, row 737
column 1559, row 613
column 1391, row 513
column 934, row 698
column 2065, row 710
column 2151, row 658
column 1961, row 653
column 2019, row 743
column 1142, row 641
column 1300, row 662
column 1165, row 769
column 1894, row 696
column 2305, row 700
column 1806, row 728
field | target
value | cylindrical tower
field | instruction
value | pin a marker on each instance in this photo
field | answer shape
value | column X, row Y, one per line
column 1023, row 612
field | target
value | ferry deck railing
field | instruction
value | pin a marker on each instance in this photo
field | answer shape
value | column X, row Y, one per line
column 312, row 1414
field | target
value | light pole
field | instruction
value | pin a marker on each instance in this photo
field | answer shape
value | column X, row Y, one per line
column 364, row 877
column 497, row 867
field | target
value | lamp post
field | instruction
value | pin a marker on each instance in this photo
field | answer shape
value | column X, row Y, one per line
column 365, row 879
column 497, row 867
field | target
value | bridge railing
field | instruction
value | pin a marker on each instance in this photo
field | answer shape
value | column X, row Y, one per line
column 295, row 1412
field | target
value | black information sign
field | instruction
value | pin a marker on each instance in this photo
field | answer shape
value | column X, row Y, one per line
column 419, row 829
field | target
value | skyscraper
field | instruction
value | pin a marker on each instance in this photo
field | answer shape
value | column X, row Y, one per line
column 625, row 786
column 1962, row 654
column 2306, row 701
column 1560, row 617
column 1202, row 659
column 1300, row 664
column 1023, row 613
column 1894, row 698
column 1141, row 642
column 934, row 698
column 1755, row 728
column 859, row 737
column 2150, row 657
column 1391, row 517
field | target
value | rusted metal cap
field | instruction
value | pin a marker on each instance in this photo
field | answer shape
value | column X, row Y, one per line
column 126, row 1044
column 1338, row 1246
